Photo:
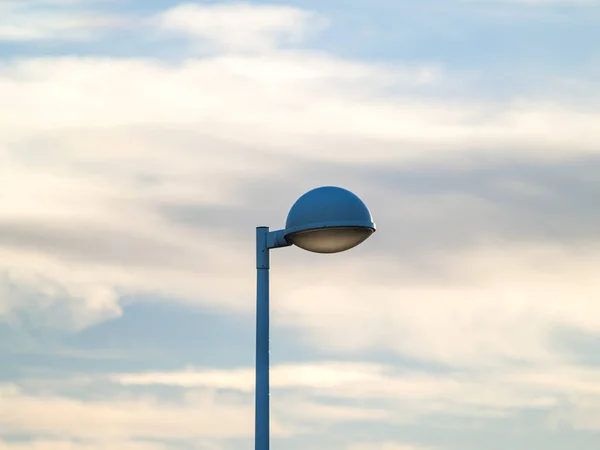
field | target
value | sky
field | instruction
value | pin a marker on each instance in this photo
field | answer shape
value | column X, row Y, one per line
column 141, row 143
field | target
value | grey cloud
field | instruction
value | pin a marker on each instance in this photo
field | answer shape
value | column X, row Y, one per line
column 91, row 243
column 431, row 207
column 577, row 345
column 419, row 209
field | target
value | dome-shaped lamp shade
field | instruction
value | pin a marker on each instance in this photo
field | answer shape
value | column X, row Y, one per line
column 328, row 220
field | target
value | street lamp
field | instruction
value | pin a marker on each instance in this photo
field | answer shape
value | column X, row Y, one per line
column 328, row 219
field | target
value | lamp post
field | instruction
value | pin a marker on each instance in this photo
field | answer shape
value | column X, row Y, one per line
column 328, row 219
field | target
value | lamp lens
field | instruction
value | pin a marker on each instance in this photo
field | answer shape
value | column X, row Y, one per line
column 330, row 240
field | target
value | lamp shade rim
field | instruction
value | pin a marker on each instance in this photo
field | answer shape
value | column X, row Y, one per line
column 331, row 224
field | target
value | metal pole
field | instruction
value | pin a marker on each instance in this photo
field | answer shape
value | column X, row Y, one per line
column 262, row 408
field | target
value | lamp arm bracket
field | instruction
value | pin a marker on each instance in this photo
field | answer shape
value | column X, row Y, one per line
column 276, row 239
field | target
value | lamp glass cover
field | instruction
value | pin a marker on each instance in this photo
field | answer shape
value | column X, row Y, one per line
column 330, row 240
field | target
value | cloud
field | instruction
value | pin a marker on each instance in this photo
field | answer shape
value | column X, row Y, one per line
column 384, row 446
column 47, row 20
column 139, row 178
column 323, row 376
column 485, row 306
column 421, row 393
column 199, row 415
column 135, row 177
column 537, row 2
column 104, row 157
column 89, row 184
column 402, row 395
column 78, row 445
column 307, row 399
column 202, row 416
column 313, row 397
column 47, row 301
column 241, row 26
column 335, row 104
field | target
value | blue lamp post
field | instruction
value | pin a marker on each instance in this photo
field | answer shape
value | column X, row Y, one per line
column 325, row 220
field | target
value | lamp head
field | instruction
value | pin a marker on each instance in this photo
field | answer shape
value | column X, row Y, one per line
column 328, row 219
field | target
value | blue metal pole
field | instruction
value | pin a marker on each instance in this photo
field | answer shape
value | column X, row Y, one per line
column 262, row 408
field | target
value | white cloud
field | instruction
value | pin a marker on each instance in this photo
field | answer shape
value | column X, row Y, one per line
column 49, row 20
column 317, row 376
column 30, row 3
column 42, row 296
column 77, row 445
column 407, row 396
column 384, row 446
column 492, row 305
column 78, row 138
column 241, row 26
column 271, row 102
column 92, row 149
column 386, row 395
column 94, row 152
column 79, row 224
column 537, row 2
column 202, row 416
